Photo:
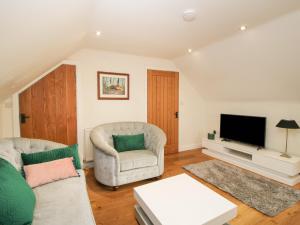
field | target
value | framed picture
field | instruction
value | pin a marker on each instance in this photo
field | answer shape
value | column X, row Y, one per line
column 113, row 86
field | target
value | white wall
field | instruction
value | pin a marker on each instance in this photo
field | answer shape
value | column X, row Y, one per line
column 256, row 72
column 6, row 118
column 92, row 112
column 274, row 111
column 253, row 73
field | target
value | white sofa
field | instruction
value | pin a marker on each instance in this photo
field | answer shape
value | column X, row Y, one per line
column 59, row 203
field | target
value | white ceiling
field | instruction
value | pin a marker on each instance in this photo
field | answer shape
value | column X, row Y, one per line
column 36, row 35
column 156, row 27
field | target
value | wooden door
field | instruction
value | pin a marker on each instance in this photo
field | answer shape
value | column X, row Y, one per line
column 48, row 107
column 25, row 110
column 163, row 88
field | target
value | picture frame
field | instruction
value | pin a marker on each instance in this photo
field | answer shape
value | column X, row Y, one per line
column 113, row 86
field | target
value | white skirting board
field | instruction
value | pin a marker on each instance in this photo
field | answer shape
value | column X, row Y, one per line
column 254, row 168
column 183, row 148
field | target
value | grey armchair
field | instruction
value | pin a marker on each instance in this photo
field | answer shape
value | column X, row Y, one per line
column 113, row 168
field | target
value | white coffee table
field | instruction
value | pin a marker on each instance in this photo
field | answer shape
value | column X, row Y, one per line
column 181, row 200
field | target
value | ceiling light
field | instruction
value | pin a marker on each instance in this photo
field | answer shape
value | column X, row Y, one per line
column 242, row 28
column 189, row 15
column 98, row 33
column 190, row 50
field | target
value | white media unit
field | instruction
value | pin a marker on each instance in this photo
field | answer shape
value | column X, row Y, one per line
column 265, row 162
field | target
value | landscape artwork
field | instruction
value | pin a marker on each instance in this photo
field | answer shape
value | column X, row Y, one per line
column 113, row 86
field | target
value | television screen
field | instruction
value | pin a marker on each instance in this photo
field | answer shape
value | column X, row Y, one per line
column 246, row 129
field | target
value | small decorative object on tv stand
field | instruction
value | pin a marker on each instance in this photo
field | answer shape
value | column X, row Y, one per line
column 287, row 124
column 211, row 136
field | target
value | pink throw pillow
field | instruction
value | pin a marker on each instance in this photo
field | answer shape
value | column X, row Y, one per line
column 47, row 172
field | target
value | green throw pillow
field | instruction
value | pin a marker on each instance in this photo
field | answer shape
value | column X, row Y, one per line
column 124, row 143
column 17, row 200
column 47, row 156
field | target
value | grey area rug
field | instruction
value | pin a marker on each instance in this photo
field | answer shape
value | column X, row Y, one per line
column 263, row 194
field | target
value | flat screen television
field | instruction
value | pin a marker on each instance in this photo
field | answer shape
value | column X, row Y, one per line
column 247, row 129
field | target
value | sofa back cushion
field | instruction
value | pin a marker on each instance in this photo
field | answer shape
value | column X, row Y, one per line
column 17, row 200
column 11, row 148
column 105, row 131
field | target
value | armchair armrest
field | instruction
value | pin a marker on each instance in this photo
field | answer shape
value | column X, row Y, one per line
column 101, row 145
column 156, row 143
column 157, row 140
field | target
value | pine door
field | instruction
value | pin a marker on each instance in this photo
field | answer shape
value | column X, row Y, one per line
column 163, row 89
column 48, row 107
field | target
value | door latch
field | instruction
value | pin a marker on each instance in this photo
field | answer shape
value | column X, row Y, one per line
column 23, row 117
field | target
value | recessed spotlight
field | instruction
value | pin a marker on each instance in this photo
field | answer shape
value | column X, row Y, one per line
column 243, row 27
column 98, row 33
column 190, row 50
column 189, row 15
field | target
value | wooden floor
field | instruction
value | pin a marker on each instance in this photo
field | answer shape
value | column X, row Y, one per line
column 116, row 207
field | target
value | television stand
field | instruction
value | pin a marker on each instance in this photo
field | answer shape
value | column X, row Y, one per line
column 264, row 162
column 224, row 139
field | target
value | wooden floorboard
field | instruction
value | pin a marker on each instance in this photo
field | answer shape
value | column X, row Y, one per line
column 116, row 207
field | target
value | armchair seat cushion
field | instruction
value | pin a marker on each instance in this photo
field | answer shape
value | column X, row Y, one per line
column 137, row 159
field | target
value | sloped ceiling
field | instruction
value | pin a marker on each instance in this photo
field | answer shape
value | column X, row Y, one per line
column 260, row 64
column 37, row 35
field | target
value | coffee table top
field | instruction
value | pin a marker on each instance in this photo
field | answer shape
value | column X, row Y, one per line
column 182, row 200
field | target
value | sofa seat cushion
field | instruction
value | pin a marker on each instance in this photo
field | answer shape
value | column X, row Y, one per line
column 137, row 159
column 63, row 202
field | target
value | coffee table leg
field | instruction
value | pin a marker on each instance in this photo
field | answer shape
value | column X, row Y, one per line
column 141, row 216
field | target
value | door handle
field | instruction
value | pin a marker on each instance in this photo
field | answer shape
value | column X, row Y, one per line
column 176, row 115
column 23, row 117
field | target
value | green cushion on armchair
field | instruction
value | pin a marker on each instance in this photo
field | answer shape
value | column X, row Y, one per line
column 124, row 143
